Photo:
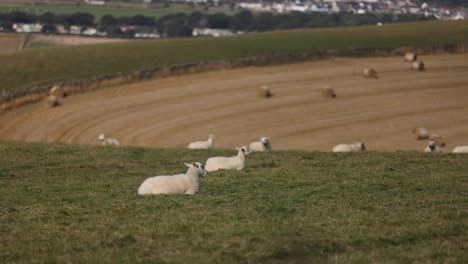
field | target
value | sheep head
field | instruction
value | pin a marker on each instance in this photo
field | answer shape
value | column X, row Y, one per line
column 198, row 167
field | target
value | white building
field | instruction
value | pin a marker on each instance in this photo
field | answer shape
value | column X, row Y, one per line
column 27, row 28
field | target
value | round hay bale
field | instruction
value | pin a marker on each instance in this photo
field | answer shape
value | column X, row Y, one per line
column 410, row 56
column 370, row 73
column 418, row 66
column 57, row 91
column 264, row 91
column 420, row 133
column 328, row 92
column 52, row 101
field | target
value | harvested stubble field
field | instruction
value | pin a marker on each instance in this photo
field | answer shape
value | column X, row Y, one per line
column 79, row 204
column 10, row 42
column 171, row 112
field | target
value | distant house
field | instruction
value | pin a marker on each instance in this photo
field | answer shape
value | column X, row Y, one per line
column 27, row 28
column 214, row 32
column 76, row 30
column 95, row 2
column 147, row 35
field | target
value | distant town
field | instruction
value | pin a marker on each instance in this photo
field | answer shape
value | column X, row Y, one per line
column 250, row 16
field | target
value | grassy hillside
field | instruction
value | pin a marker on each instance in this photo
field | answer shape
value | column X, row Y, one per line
column 46, row 65
column 99, row 11
column 65, row 203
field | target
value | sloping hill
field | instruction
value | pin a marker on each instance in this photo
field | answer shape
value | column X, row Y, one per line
column 32, row 67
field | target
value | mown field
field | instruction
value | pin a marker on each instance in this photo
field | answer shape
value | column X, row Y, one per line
column 40, row 66
column 67, row 203
column 10, row 42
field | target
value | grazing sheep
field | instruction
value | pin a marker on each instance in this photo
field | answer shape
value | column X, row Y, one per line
column 460, row 149
column 370, row 73
column 228, row 163
column 108, row 141
column 52, row 101
column 260, row 146
column 432, row 147
column 187, row 183
column 356, row 147
column 420, row 133
column 328, row 92
column 418, row 66
column 264, row 91
column 209, row 144
column 410, row 57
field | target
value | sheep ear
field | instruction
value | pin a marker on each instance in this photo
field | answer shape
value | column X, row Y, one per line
column 237, row 148
column 187, row 164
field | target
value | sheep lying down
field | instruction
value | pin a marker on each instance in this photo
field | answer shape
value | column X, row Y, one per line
column 208, row 144
column 185, row 183
column 356, row 147
column 432, row 147
column 108, row 141
column 260, row 146
column 228, row 163
column 460, row 149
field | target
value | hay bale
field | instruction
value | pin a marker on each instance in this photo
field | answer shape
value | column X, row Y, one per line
column 418, row 66
column 57, row 91
column 264, row 91
column 52, row 101
column 420, row 133
column 410, row 56
column 370, row 73
column 328, row 92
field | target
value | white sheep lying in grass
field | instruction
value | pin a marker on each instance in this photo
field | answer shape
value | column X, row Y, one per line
column 108, row 141
column 432, row 147
column 228, row 163
column 355, row 147
column 460, row 149
column 187, row 183
column 260, row 146
column 209, row 144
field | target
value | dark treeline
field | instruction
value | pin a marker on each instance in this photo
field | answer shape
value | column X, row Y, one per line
column 182, row 24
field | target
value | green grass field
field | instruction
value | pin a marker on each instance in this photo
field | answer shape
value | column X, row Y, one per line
column 79, row 204
column 99, row 11
column 46, row 65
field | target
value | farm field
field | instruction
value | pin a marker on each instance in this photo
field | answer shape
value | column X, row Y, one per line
column 116, row 11
column 171, row 112
column 10, row 42
column 54, row 40
column 33, row 67
column 79, row 204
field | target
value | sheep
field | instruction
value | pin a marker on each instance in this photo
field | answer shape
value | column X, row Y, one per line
column 418, row 66
column 108, row 141
column 209, row 144
column 410, row 57
column 432, row 147
column 420, row 133
column 260, row 146
column 460, row 149
column 187, row 183
column 228, row 163
column 370, row 73
column 355, row 147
